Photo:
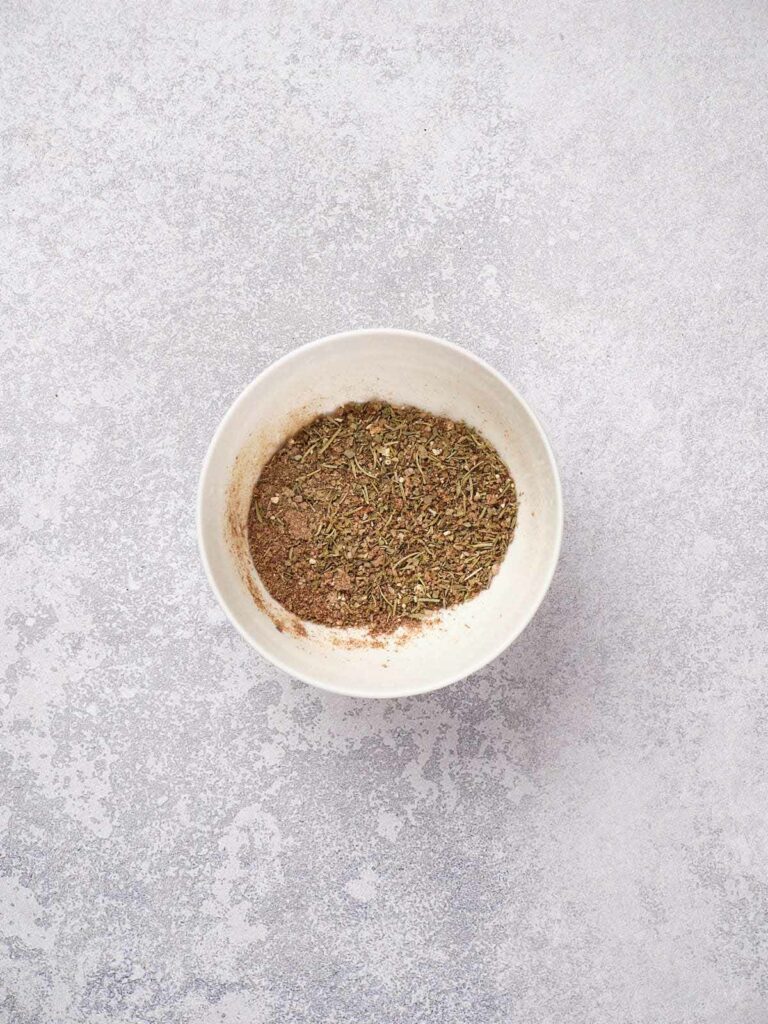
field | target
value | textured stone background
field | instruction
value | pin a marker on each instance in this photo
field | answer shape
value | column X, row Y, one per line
column 577, row 192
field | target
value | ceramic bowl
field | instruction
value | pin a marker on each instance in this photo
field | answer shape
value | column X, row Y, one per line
column 403, row 368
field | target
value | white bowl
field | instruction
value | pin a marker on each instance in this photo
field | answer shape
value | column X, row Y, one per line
column 403, row 368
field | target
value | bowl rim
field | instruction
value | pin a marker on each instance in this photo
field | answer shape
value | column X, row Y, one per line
column 485, row 658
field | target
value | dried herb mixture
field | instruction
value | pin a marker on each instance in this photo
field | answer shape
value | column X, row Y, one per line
column 377, row 515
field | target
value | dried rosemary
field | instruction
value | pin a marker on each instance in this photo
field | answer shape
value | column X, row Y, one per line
column 377, row 515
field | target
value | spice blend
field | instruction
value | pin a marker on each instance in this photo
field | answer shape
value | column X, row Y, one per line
column 378, row 515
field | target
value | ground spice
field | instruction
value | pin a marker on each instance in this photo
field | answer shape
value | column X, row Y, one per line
column 378, row 515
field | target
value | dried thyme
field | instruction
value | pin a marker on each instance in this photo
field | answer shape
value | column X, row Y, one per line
column 377, row 515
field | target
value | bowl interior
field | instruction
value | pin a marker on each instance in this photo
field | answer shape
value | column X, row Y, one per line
column 402, row 368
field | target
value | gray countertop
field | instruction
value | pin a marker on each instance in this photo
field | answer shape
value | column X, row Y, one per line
column 576, row 192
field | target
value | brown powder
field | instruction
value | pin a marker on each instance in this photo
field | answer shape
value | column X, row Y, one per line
column 378, row 515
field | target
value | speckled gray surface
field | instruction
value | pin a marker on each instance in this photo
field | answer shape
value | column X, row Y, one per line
column 575, row 191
